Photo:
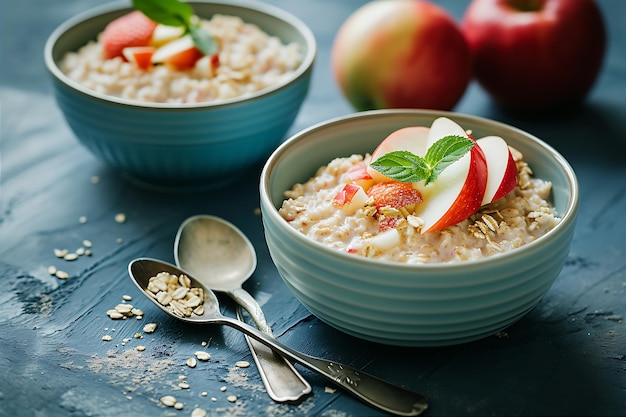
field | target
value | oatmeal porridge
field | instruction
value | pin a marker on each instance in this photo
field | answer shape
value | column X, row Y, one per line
column 520, row 217
column 248, row 60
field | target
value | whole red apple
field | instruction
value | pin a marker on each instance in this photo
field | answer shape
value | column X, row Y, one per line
column 401, row 54
column 535, row 55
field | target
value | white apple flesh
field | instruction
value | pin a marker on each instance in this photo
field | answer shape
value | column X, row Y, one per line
column 173, row 48
column 385, row 240
column 163, row 34
column 411, row 139
column 351, row 198
column 502, row 175
column 458, row 191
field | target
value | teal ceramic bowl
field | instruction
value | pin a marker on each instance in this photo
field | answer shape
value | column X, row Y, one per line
column 411, row 305
column 182, row 145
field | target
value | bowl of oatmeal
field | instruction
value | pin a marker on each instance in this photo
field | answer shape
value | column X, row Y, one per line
column 460, row 283
column 181, row 118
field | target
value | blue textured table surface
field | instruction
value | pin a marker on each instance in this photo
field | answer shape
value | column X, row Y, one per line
column 566, row 357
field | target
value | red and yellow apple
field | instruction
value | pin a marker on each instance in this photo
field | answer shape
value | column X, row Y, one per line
column 535, row 55
column 401, row 54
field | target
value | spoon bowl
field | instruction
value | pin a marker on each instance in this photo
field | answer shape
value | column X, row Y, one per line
column 371, row 389
column 215, row 251
column 222, row 258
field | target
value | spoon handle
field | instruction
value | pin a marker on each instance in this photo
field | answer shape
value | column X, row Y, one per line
column 371, row 389
column 282, row 381
column 245, row 300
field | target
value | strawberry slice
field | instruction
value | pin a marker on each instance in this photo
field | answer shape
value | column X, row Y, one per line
column 394, row 194
column 132, row 29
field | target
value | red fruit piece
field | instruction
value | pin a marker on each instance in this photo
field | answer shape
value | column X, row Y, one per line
column 394, row 194
column 132, row 29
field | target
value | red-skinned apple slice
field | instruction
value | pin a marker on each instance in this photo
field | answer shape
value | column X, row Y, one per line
column 412, row 139
column 351, row 198
column 141, row 56
column 502, row 174
column 359, row 175
column 458, row 191
column 181, row 53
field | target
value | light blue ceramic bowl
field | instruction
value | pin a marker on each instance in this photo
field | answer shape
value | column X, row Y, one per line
column 411, row 305
column 174, row 145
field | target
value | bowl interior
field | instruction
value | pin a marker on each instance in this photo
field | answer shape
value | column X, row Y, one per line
column 300, row 156
column 77, row 31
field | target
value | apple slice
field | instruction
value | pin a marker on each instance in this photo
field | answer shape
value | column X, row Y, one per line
column 385, row 240
column 359, row 175
column 163, row 34
column 351, row 198
column 181, row 54
column 502, row 174
column 458, row 191
column 141, row 56
column 442, row 127
column 412, row 139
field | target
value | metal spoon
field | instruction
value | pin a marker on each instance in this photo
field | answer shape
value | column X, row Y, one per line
column 372, row 390
column 222, row 258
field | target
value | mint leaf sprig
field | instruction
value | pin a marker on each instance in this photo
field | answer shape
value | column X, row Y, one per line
column 405, row 166
column 177, row 13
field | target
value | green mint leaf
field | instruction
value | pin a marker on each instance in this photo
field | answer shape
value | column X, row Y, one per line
column 167, row 12
column 402, row 166
column 445, row 152
column 203, row 40
column 405, row 166
column 177, row 13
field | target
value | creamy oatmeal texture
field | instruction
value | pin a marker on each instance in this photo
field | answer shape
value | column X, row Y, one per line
column 520, row 217
column 249, row 61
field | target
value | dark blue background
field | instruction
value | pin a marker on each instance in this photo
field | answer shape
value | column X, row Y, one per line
column 566, row 357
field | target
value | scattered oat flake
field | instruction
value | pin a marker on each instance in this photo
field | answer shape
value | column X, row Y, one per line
column 178, row 406
column 231, row 398
column 80, row 251
column 191, row 362
column 60, row 253
column 87, row 243
column 107, row 338
column 213, row 399
column 223, row 388
column 70, row 256
column 52, row 269
column 82, row 219
column 204, row 393
column 329, row 390
column 242, row 364
column 149, row 328
column 120, row 217
column 140, row 348
column 119, row 240
column 127, row 297
column 168, row 400
column 198, row 412
column 183, row 385
column 62, row 275
column 203, row 356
